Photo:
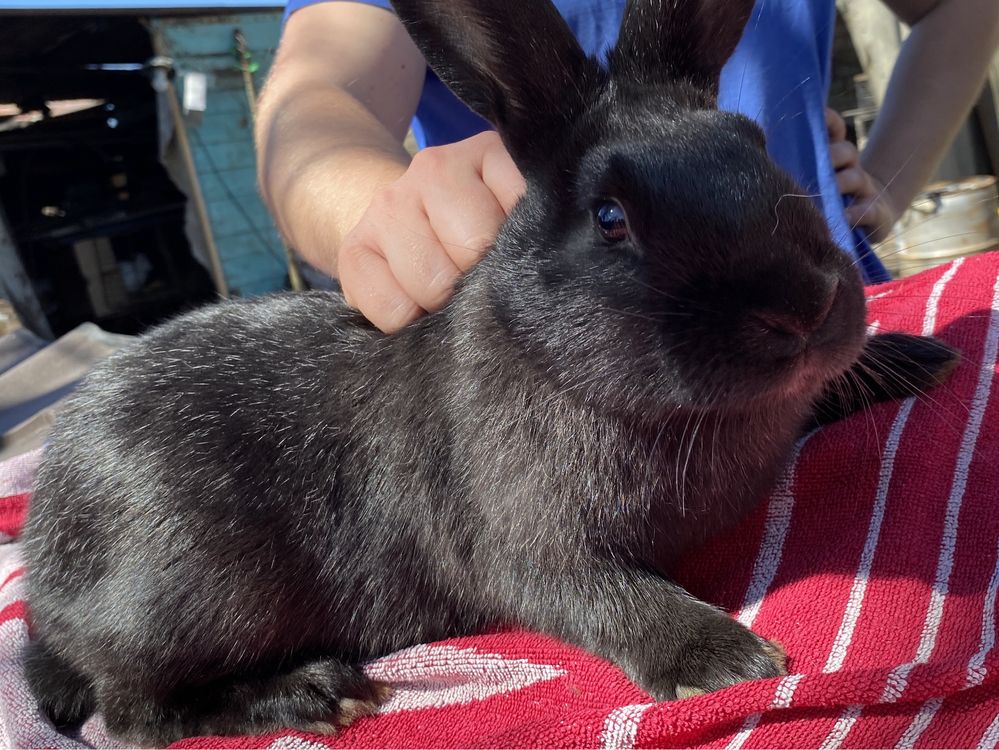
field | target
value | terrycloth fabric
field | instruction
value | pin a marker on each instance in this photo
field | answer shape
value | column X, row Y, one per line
column 875, row 562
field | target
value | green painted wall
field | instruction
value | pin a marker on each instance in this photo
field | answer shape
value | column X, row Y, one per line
column 222, row 141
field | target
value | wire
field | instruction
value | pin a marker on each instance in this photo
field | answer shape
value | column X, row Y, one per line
column 235, row 201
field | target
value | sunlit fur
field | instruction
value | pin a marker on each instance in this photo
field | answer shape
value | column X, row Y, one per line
column 239, row 509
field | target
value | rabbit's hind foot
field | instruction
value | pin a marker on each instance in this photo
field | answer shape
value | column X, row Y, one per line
column 319, row 696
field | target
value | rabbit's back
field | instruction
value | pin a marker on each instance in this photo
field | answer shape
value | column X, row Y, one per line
column 194, row 494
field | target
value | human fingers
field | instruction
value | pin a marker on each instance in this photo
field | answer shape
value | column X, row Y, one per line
column 500, row 173
column 835, row 126
column 402, row 232
column 843, row 154
column 874, row 215
column 468, row 189
column 370, row 286
column 856, row 182
column 464, row 215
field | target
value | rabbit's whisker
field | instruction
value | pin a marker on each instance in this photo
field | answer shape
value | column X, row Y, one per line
column 789, row 195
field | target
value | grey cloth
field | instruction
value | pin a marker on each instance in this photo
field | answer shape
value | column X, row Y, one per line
column 17, row 346
column 34, row 379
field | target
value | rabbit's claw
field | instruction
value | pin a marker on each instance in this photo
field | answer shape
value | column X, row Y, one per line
column 723, row 654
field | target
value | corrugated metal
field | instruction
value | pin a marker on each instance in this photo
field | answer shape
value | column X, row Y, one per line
column 222, row 141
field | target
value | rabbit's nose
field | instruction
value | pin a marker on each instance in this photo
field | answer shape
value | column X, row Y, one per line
column 790, row 329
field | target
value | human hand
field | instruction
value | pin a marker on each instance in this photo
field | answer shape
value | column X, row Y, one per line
column 872, row 207
column 425, row 229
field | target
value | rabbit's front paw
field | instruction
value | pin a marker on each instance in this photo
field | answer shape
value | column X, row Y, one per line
column 720, row 654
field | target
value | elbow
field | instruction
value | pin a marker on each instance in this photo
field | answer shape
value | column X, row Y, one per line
column 265, row 128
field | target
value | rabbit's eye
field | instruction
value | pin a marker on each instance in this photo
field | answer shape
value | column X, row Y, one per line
column 611, row 221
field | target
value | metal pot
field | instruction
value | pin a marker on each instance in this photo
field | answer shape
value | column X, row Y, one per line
column 948, row 220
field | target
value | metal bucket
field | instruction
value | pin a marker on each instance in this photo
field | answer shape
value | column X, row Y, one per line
column 946, row 221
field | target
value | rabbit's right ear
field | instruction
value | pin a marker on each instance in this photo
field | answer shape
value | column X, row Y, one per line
column 514, row 62
column 678, row 40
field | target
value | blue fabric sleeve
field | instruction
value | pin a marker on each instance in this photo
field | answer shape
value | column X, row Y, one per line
column 779, row 76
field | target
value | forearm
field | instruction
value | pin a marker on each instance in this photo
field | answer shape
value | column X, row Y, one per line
column 937, row 78
column 321, row 157
column 332, row 117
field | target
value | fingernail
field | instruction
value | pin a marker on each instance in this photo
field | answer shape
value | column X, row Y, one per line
column 480, row 244
column 405, row 313
column 444, row 280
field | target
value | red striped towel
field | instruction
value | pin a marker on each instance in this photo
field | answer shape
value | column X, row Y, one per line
column 875, row 562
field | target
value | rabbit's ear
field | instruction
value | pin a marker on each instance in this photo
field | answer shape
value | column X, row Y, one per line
column 514, row 62
column 678, row 40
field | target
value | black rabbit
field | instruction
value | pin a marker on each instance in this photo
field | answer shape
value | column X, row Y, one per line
column 236, row 512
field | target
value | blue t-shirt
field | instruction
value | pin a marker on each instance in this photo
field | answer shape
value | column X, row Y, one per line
column 778, row 76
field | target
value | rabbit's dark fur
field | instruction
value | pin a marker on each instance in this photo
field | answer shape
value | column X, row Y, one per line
column 242, row 507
